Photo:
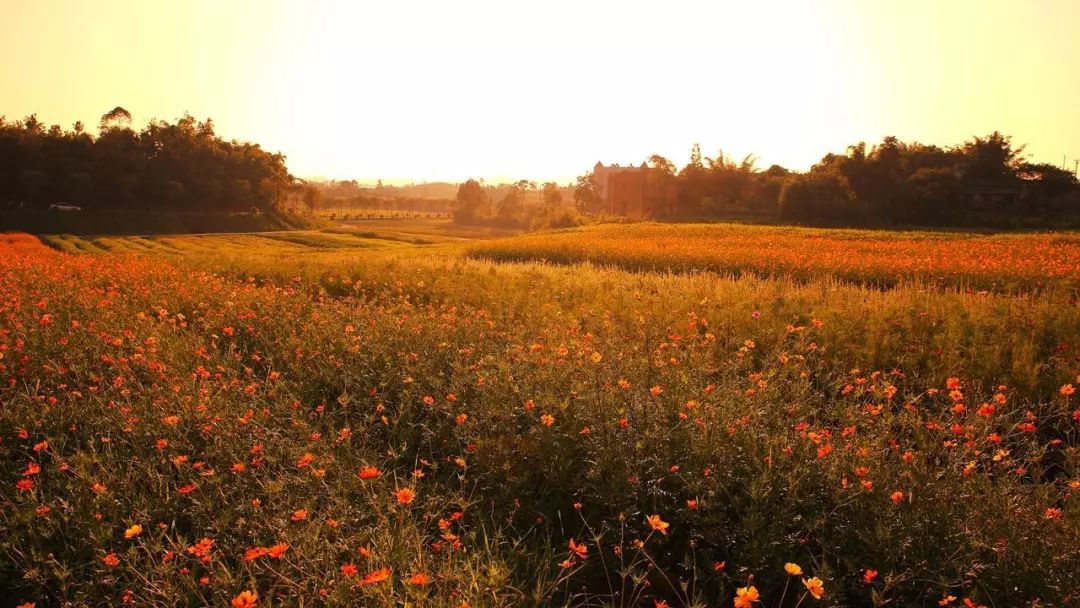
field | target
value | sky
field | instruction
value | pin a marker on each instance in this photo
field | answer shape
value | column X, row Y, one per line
column 411, row 90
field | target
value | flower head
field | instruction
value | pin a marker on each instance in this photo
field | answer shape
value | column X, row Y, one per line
column 658, row 524
column 746, row 596
column 368, row 472
column 815, row 587
column 245, row 599
column 405, row 495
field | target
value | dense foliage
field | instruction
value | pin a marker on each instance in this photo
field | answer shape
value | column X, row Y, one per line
column 178, row 167
column 522, row 204
column 984, row 181
column 208, row 423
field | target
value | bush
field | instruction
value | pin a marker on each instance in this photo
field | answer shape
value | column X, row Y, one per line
column 559, row 216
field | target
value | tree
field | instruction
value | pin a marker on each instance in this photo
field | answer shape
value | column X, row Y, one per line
column 179, row 166
column 511, row 205
column 312, row 197
column 819, row 198
column 117, row 118
column 586, row 192
column 991, row 159
column 471, row 202
column 1047, row 186
column 662, row 164
column 552, row 196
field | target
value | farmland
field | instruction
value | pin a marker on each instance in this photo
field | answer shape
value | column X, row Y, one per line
column 619, row 415
column 873, row 257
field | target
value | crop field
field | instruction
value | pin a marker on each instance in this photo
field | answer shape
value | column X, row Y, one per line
column 625, row 416
column 873, row 257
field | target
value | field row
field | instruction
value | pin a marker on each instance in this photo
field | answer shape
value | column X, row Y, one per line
column 269, row 242
column 998, row 262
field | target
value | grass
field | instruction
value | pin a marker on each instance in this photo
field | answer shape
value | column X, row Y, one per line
column 257, row 403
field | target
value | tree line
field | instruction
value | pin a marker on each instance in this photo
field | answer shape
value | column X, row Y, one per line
column 522, row 204
column 985, row 181
column 183, row 166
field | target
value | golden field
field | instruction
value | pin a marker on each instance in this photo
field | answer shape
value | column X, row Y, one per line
column 814, row 418
column 994, row 261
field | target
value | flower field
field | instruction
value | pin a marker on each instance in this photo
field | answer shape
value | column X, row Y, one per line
column 321, row 419
column 870, row 257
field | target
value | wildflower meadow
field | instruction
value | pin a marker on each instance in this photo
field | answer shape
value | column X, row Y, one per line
column 667, row 417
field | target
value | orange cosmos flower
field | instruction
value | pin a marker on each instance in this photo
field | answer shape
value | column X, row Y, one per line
column 793, row 569
column 377, row 576
column 581, row 551
column 202, row 549
column 405, row 495
column 299, row 515
column 658, row 524
column 277, row 550
column 245, row 599
column 1067, row 390
column 133, row 531
column 349, row 570
column 547, row 419
column 746, row 596
column 419, row 579
column 897, row 497
column 815, row 587
column 254, row 553
column 369, row 472
column 111, row 560
column 869, row 575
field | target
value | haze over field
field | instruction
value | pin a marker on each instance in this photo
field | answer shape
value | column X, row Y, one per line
column 410, row 91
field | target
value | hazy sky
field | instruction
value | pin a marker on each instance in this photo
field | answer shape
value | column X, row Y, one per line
column 441, row 89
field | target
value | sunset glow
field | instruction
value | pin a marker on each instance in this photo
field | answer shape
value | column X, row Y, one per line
column 412, row 91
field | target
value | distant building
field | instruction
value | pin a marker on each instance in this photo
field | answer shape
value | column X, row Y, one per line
column 992, row 196
column 631, row 191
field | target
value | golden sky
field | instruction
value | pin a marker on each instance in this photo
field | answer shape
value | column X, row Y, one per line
column 444, row 90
